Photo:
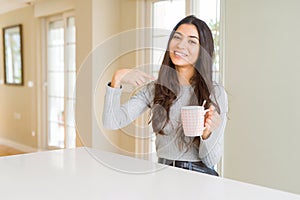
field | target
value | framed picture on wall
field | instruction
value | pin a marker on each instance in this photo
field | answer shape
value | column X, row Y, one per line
column 13, row 55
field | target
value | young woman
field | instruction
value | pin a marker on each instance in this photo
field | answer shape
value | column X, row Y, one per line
column 185, row 78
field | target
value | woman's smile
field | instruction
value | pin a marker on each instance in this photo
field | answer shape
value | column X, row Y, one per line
column 177, row 53
column 184, row 46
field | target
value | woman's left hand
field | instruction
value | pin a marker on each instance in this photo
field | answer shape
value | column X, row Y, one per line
column 211, row 123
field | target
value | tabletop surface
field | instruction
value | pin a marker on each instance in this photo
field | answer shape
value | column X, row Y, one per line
column 85, row 173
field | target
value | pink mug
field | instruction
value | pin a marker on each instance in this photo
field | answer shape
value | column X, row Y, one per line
column 192, row 118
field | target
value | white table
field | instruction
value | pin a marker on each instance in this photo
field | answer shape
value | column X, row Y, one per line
column 85, row 173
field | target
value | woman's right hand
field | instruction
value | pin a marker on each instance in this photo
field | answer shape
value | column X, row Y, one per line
column 130, row 76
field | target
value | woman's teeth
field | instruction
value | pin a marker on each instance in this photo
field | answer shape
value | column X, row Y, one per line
column 180, row 54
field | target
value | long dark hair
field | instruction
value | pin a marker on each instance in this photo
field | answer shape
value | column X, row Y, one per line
column 167, row 86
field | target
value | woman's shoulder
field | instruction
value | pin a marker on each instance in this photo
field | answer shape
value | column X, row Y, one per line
column 218, row 89
column 149, row 87
column 146, row 90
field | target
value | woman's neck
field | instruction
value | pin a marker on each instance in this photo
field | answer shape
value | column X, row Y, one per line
column 184, row 74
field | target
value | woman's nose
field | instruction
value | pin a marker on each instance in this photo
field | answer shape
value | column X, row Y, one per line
column 182, row 44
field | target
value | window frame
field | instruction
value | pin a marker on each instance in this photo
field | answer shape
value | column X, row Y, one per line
column 43, row 141
column 145, row 12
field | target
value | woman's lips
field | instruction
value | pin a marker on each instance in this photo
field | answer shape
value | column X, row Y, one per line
column 181, row 54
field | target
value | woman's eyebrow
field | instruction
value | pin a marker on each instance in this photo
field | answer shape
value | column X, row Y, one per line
column 193, row 36
column 190, row 36
column 178, row 33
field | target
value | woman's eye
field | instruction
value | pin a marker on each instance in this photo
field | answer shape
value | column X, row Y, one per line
column 176, row 37
column 192, row 42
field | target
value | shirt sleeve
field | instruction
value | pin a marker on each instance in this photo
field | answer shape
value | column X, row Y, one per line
column 211, row 149
column 115, row 115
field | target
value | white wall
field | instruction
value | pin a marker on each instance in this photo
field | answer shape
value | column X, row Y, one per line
column 262, row 80
column 84, row 45
column 18, row 111
column 111, row 43
column 106, row 24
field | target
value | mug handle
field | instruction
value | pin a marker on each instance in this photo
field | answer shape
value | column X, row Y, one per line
column 205, row 111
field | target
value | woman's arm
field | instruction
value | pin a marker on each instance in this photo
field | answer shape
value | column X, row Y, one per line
column 211, row 148
column 115, row 115
column 134, row 77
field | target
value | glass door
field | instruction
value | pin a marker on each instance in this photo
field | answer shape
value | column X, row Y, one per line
column 61, row 78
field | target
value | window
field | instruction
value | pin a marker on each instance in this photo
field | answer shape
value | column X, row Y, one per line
column 164, row 15
column 162, row 22
column 163, row 19
column 60, row 81
column 209, row 11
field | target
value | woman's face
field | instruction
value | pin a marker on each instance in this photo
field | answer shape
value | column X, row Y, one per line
column 185, row 46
